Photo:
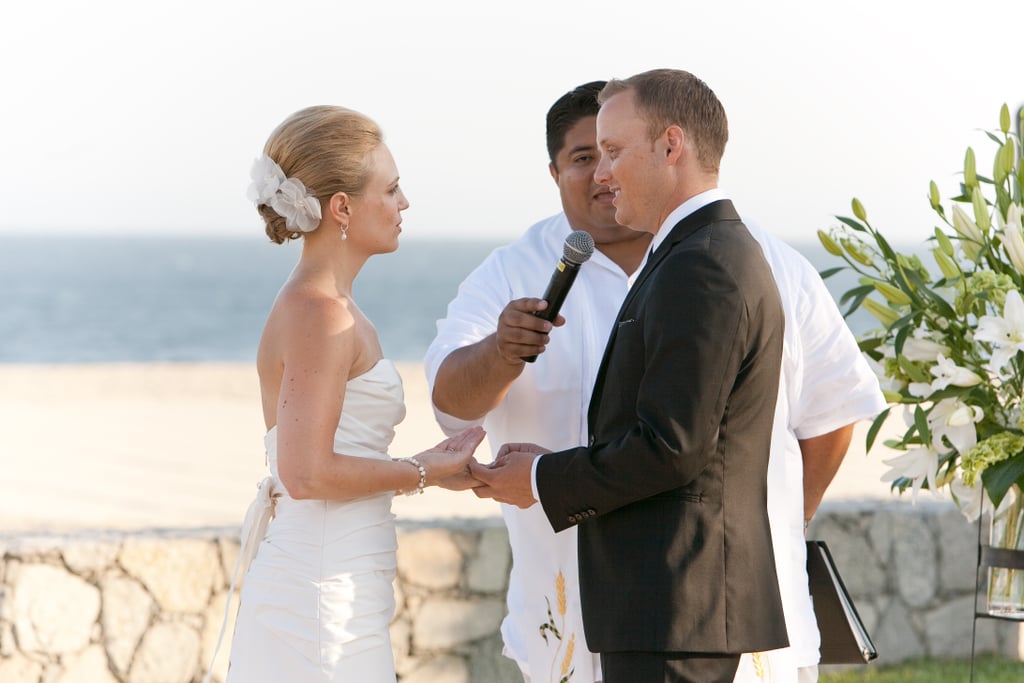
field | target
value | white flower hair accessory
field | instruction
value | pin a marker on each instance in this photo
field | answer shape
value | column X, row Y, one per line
column 287, row 196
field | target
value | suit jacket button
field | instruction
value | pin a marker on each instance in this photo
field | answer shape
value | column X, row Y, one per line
column 571, row 519
column 591, row 512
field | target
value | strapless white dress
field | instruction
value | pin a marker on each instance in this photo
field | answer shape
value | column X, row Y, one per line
column 318, row 597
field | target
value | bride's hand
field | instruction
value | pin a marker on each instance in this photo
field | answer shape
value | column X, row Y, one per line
column 447, row 463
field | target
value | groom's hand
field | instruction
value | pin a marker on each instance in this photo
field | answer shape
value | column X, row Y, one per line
column 509, row 478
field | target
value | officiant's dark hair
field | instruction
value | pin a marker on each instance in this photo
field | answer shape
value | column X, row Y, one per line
column 327, row 148
column 578, row 103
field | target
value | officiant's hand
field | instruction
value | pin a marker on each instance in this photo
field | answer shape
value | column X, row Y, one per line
column 509, row 478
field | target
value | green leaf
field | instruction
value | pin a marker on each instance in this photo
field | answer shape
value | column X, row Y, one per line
column 912, row 370
column 876, row 425
column 825, row 274
column 852, row 223
column 998, row 478
column 921, row 422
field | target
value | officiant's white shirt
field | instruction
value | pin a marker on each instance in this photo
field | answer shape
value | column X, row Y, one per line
column 825, row 384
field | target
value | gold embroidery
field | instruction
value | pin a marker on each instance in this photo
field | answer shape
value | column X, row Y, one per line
column 760, row 666
column 553, row 628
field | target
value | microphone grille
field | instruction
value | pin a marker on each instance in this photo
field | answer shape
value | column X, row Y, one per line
column 579, row 246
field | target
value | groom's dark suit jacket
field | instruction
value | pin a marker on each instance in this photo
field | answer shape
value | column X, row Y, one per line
column 674, row 547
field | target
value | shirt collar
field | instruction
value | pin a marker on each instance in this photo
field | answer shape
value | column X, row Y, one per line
column 685, row 209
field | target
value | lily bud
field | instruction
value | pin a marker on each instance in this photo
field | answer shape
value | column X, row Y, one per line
column 944, row 243
column 1006, row 156
column 858, row 210
column 892, row 396
column 893, row 295
column 829, row 244
column 970, row 236
column 1004, row 119
column 946, row 265
column 933, row 195
column 970, row 172
column 883, row 313
column 853, row 249
column 981, row 217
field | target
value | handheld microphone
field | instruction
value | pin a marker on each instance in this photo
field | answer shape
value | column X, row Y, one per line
column 579, row 246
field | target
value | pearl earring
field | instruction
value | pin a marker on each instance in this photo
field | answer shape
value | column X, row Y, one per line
column 344, row 233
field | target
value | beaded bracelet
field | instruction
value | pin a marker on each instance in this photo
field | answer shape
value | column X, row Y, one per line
column 423, row 475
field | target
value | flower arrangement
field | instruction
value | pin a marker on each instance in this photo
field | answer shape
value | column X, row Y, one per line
column 948, row 351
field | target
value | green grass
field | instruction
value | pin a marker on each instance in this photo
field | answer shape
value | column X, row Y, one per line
column 987, row 669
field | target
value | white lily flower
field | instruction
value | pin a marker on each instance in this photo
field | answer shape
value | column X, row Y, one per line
column 955, row 420
column 968, row 498
column 923, row 350
column 1013, row 237
column 918, row 465
column 1006, row 331
column 885, row 382
column 920, row 389
column 947, row 372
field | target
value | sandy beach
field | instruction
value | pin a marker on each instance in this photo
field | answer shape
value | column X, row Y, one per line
column 130, row 446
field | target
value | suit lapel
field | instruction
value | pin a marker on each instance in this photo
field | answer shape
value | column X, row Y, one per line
column 721, row 210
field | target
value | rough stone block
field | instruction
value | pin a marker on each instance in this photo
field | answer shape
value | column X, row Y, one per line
column 488, row 569
column 90, row 558
column 429, row 558
column 212, row 624
column 127, row 612
column 229, row 549
column 948, row 628
column 446, row 623
column 958, row 551
column 53, row 610
column 401, row 646
column 861, row 570
column 896, row 638
column 486, row 663
column 169, row 653
column 442, row 669
column 915, row 560
column 17, row 667
column 88, row 667
column 179, row 573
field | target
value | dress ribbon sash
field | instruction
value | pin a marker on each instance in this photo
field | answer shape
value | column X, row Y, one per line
column 254, row 529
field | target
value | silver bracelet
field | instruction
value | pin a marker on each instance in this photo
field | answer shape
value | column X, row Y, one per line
column 423, row 475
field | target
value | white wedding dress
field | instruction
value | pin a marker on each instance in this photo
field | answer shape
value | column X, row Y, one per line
column 318, row 596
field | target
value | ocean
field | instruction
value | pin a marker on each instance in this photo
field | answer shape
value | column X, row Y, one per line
column 205, row 299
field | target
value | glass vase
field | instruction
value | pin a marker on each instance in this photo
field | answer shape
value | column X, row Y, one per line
column 1005, row 585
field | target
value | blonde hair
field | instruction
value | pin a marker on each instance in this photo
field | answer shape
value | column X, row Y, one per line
column 667, row 97
column 328, row 148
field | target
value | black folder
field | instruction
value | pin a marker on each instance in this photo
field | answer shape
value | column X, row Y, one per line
column 844, row 640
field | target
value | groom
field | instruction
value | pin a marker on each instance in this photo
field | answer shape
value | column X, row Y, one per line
column 676, row 568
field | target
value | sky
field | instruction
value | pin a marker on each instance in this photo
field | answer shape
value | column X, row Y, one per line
column 142, row 118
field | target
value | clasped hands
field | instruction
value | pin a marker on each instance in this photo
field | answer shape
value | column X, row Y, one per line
column 507, row 480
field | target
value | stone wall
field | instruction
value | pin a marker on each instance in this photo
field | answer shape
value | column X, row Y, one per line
column 147, row 607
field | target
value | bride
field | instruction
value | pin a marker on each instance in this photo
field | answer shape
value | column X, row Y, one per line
column 318, row 597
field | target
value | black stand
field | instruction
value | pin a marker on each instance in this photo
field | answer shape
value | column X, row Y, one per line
column 989, row 557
